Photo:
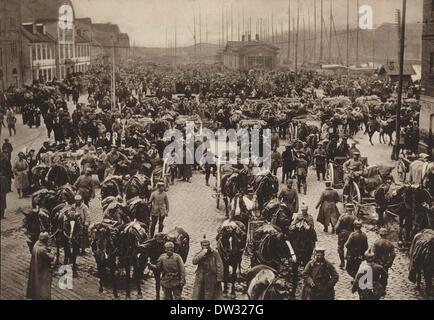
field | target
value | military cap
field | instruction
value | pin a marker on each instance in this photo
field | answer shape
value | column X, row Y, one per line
column 160, row 184
column 320, row 249
column 290, row 181
column 78, row 198
column 357, row 223
column 169, row 245
column 44, row 236
column 356, row 153
column 304, row 207
column 369, row 255
column 205, row 241
column 328, row 183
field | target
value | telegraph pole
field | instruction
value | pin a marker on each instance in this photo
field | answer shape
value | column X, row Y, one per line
column 289, row 31
column 395, row 154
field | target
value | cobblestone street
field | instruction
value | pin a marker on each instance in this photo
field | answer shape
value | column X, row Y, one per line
column 192, row 208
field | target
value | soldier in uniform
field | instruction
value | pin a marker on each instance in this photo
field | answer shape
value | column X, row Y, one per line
column 85, row 186
column 320, row 157
column 320, row 278
column 301, row 169
column 381, row 201
column 384, row 251
column 288, row 163
column 172, row 270
column 344, row 227
column 328, row 211
column 290, row 197
column 82, row 211
column 375, row 287
column 351, row 167
column 356, row 245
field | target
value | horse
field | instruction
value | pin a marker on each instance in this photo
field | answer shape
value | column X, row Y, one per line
column 233, row 182
column 104, row 239
column 112, row 186
column 271, row 248
column 422, row 260
column 59, row 175
column 264, row 283
column 132, row 255
column 138, row 186
column 231, row 241
column 265, row 188
column 383, row 127
column 278, row 214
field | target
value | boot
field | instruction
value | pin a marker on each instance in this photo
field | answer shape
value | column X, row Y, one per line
column 342, row 258
column 305, row 189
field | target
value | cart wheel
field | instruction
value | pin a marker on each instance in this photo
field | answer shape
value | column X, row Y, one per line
column 402, row 174
column 355, row 196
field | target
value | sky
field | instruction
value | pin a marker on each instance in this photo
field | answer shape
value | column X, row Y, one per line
column 146, row 21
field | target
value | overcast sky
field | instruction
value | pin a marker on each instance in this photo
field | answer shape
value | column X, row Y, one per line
column 146, row 21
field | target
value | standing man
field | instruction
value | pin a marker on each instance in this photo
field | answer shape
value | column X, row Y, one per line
column 289, row 196
column 82, row 211
column 328, row 211
column 374, row 289
column 344, row 227
column 172, row 271
column 209, row 273
column 384, row 251
column 159, row 208
column 11, row 120
column 320, row 278
column 356, row 245
column 319, row 159
column 287, row 163
column 301, row 168
column 7, row 148
column 85, row 187
column 39, row 283
column 276, row 161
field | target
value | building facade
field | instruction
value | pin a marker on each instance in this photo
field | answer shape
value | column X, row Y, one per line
column 426, row 123
column 10, row 44
column 245, row 55
column 38, row 54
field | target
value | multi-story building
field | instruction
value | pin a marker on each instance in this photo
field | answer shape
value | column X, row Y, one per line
column 38, row 57
column 10, row 44
column 426, row 124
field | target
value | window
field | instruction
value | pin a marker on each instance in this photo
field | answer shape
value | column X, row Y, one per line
column 431, row 63
column 34, row 52
column 14, row 51
column 12, row 23
column 61, row 51
column 44, row 52
column 1, row 26
column 49, row 75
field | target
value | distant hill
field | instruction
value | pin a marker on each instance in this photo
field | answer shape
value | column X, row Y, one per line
column 385, row 38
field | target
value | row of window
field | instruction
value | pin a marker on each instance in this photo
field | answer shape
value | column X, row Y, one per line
column 42, row 52
column 82, row 51
column 47, row 74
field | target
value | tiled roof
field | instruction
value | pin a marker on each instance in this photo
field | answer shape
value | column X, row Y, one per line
column 37, row 37
column 42, row 10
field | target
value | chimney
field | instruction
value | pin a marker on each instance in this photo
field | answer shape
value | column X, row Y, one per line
column 29, row 27
column 40, row 28
column 243, row 38
column 250, row 37
column 257, row 37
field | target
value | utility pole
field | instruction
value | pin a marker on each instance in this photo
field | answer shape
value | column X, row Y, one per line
column 401, row 76
column 200, row 30
column 314, row 29
column 304, row 41
column 232, row 24
column 289, row 31
column 296, row 36
column 331, row 31
column 321, row 48
column 113, row 76
column 358, row 34
column 348, row 33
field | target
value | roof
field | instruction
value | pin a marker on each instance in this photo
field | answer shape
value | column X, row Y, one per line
column 106, row 27
column 37, row 37
column 392, row 69
column 81, row 39
column 238, row 46
column 42, row 10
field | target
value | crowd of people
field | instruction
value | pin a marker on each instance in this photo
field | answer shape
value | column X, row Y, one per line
column 125, row 138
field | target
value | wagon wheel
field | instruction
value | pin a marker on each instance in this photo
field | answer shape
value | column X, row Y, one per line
column 401, row 170
column 330, row 174
column 353, row 196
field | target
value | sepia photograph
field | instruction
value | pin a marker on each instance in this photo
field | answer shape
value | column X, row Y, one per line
column 231, row 151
